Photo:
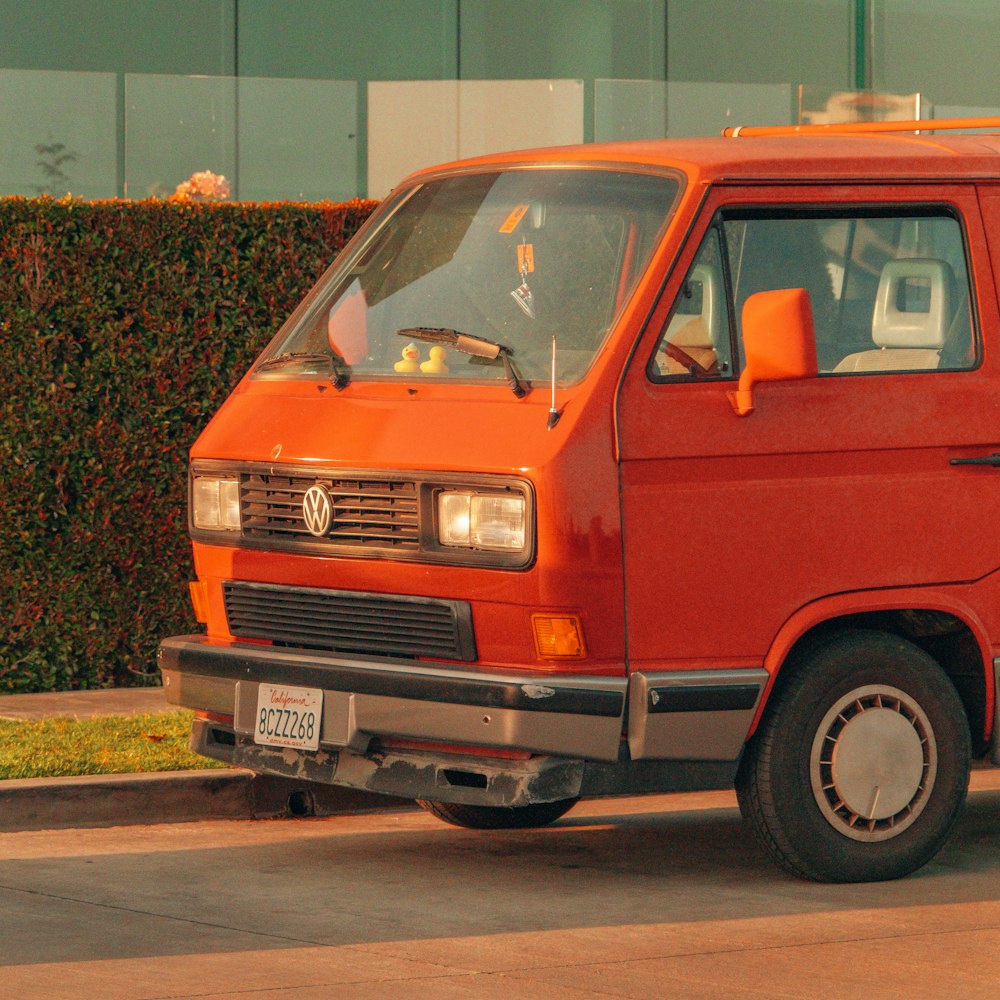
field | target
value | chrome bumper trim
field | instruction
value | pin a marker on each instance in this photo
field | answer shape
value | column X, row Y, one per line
column 578, row 716
column 692, row 715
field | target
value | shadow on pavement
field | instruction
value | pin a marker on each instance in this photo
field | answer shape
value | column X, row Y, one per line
column 138, row 892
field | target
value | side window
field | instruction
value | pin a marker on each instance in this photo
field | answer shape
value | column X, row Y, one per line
column 889, row 293
column 696, row 340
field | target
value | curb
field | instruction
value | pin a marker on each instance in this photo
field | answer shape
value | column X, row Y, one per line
column 174, row 797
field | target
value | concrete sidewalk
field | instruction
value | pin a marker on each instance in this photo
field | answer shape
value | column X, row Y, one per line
column 83, row 704
column 166, row 797
column 663, row 896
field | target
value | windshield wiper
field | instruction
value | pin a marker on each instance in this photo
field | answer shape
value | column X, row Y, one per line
column 340, row 370
column 477, row 347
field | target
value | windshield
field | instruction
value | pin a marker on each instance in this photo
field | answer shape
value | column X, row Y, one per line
column 514, row 257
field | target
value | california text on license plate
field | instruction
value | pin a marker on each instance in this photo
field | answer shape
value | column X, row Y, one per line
column 288, row 716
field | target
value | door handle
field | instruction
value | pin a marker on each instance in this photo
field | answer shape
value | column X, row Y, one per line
column 993, row 459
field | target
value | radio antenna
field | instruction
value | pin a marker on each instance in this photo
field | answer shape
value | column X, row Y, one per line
column 554, row 413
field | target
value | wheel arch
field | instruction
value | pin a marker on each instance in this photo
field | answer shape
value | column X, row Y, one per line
column 945, row 629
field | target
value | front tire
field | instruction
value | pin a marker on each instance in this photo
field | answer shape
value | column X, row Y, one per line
column 861, row 763
column 498, row 817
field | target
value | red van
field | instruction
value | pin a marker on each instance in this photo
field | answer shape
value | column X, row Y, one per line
column 628, row 468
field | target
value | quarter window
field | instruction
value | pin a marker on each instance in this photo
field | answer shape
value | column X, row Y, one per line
column 696, row 341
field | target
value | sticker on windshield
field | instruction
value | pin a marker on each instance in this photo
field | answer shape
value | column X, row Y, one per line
column 516, row 215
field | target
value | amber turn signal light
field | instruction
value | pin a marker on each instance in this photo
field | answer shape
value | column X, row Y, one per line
column 558, row 637
column 199, row 600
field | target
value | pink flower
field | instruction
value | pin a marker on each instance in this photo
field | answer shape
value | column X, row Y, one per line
column 202, row 186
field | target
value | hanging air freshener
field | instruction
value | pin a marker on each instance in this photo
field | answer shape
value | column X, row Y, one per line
column 526, row 265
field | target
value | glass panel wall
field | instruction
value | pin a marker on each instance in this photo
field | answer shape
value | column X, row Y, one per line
column 823, row 106
column 652, row 109
column 59, row 134
column 176, row 126
column 965, row 111
column 98, row 135
column 419, row 123
column 410, row 125
column 297, row 139
column 270, row 139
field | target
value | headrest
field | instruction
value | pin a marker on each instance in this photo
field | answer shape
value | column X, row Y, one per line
column 699, row 310
column 913, row 304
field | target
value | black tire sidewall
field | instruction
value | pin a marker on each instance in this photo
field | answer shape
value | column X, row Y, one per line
column 536, row 814
column 800, row 830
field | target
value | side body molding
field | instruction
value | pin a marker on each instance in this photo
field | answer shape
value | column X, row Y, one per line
column 693, row 715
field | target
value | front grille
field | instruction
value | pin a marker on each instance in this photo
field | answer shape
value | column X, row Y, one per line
column 350, row 622
column 367, row 513
column 353, row 513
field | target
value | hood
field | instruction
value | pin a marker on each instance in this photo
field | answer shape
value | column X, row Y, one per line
column 389, row 426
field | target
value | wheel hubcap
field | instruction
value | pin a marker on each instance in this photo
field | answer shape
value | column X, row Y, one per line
column 873, row 763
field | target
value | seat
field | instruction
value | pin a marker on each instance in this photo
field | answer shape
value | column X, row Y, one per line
column 689, row 345
column 913, row 307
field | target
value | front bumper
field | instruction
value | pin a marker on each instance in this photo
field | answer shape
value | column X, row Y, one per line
column 575, row 717
column 585, row 734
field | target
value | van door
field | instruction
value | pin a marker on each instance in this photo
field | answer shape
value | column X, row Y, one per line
column 834, row 484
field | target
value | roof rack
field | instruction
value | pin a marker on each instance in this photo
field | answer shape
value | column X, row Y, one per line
column 863, row 128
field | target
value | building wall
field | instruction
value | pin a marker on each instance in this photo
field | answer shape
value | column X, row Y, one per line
column 942, row 47
column 348, row 39
column 106, row 97
column 767, row 41
column 563, row 39
column 945, row 48
column 119, row 36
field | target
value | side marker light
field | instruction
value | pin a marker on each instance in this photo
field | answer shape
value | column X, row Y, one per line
column 558, row 637
column 199, row 600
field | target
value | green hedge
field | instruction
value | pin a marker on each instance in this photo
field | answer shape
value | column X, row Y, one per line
column 123, row 325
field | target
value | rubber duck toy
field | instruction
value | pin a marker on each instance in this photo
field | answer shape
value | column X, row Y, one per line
column 434, row 365
column 411, row 355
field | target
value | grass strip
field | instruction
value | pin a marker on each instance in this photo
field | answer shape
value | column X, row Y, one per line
column 56, row 748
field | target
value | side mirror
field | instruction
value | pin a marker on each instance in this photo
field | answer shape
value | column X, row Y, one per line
column 778, row 341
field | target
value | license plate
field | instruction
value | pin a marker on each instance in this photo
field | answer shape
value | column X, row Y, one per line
column 288, row 716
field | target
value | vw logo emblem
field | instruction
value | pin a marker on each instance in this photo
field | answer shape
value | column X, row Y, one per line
column 317, row 510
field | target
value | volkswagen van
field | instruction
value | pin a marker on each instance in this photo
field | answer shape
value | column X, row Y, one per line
column 628, row 468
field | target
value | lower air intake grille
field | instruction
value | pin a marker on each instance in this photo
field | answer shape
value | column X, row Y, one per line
column 348, row 622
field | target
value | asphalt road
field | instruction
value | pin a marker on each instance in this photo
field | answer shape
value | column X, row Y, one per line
column 644, row 897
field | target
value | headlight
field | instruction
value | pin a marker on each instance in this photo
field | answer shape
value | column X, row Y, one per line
column 481, row 520
column 215, row 503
